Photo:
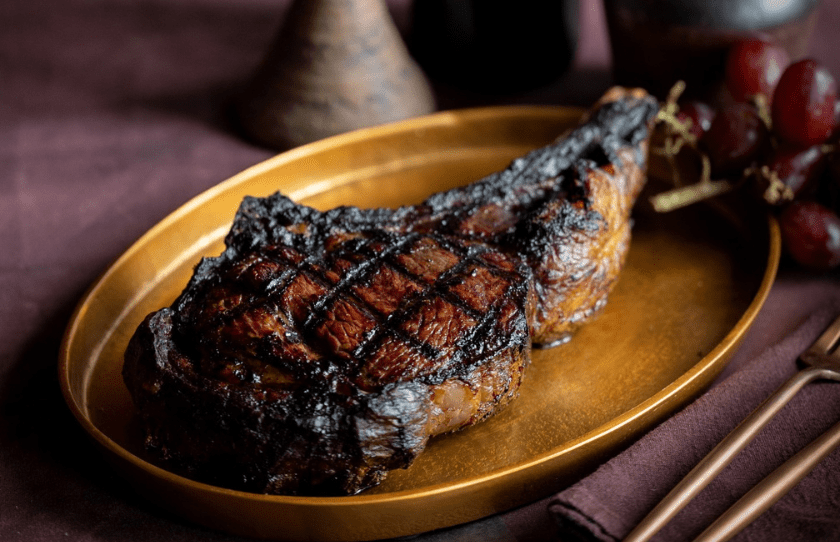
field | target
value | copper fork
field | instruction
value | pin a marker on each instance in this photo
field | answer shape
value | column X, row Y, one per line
column 821, row 361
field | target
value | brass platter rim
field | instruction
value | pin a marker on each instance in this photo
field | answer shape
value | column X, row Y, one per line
column 654, row 407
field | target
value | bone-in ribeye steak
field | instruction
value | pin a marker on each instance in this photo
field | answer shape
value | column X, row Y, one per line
column 322, row 349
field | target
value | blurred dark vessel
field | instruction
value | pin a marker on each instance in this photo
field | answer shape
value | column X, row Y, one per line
column 657, row 42
column 492, row 46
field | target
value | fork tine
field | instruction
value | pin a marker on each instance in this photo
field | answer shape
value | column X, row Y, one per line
column 722, row 454
column 827, row 340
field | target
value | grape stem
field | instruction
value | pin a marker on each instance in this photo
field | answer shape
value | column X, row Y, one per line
column 777, row 192
column 683, row 196
column 677, row 137
column 678, row 130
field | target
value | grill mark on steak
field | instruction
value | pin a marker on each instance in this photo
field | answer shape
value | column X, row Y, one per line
column 322, row 349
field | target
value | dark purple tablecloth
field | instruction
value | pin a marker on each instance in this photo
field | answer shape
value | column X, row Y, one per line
column 112, row 114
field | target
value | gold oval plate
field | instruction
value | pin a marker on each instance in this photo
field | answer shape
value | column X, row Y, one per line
column 694, row 281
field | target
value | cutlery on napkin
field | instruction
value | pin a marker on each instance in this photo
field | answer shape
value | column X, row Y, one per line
column 606, row 505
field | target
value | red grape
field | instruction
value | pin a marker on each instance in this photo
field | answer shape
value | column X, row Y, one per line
column 811, row 234
column 754, row 67
column 735, row 138
column 700, row 115
column 799, row 169
column 803, row 104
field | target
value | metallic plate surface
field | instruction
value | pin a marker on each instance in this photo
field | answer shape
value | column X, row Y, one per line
column 694, row 281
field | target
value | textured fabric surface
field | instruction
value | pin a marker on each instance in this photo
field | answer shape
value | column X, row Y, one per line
column 610, row 502
column 113, row 114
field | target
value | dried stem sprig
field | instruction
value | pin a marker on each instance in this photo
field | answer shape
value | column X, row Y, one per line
column 677, row 137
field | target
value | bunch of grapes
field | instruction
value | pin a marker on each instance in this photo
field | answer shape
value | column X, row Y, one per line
column 779, row 135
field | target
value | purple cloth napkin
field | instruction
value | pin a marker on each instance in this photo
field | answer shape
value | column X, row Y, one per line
column 606, row 505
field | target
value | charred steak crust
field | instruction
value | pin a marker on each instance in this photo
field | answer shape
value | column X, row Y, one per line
column 316, row 372
column 322, row 349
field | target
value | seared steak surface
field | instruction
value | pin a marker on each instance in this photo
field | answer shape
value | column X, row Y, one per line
column 322, row 349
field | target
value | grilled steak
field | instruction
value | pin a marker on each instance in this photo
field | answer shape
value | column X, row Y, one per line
column 322, row 349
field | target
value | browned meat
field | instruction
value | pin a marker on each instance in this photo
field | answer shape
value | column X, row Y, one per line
column 564, row 209
column 322, row 349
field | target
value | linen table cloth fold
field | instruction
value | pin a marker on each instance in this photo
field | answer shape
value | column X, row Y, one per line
column 608, row 504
